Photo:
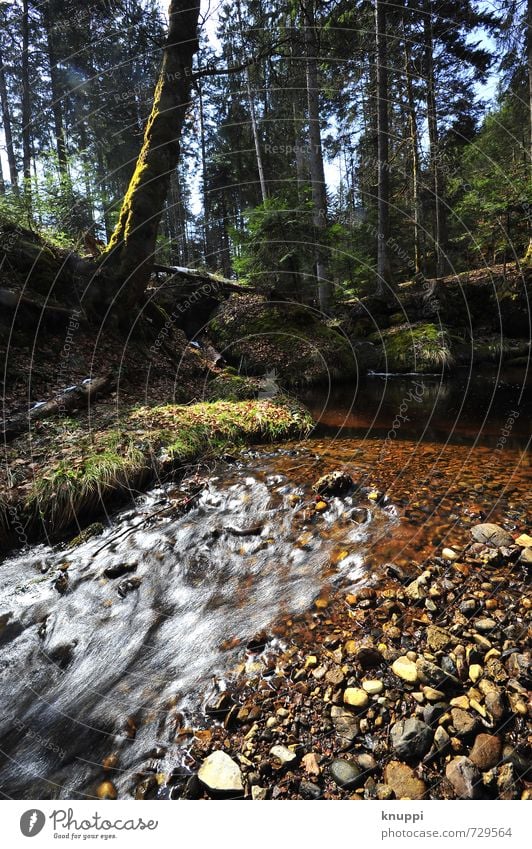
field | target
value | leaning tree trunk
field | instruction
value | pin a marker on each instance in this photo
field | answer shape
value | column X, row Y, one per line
column 129, row 257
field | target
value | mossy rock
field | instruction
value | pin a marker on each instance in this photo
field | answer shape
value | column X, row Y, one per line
column 420, row 347
column 231, row 387
column 492, row 349
column 288, row 339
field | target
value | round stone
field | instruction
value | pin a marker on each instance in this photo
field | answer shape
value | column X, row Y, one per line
column 356, row 697
column 220, row 773
column 346, row 774
column 405, row 669
column 373, row 687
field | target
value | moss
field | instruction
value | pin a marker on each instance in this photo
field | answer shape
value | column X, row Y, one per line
column 232, row 387
column 292, row 340
column 152, row 442
column 419, row 347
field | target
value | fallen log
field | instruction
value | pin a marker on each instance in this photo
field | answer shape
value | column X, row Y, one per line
column 67, row 400
column 220, row 283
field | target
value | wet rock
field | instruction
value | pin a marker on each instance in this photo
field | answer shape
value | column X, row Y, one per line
column 403, row 781
column 128, row 586
column 417, row 590
column 486, row 751
column 355, row 697
column 119, row 569
column 221, row 774
column 61, row 583
column 334, row 483
column 464, row 778
column 345, row 724
column 492, row 535
column 411, row 739
column 405, row 669
column 220, row 706
column 449, row 554
column 346, row 774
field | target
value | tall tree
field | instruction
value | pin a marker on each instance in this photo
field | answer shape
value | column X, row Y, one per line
column 130, row 253
column 317, row 171
column 6, row 123
column 384, row 276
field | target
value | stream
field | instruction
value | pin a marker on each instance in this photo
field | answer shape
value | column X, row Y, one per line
column 113, row 649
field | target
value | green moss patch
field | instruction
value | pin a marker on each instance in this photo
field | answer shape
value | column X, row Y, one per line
column 418, row 347
column 294, row 341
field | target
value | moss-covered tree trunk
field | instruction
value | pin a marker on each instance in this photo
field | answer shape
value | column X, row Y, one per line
column 129, row 257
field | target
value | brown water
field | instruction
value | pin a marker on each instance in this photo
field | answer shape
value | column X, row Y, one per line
column 94, row 672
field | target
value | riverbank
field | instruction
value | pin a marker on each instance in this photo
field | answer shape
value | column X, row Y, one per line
column 408, row 688
column 79, row 468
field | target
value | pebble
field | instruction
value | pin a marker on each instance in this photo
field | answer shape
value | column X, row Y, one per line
column 220, row 773
column 403, row 781
column 464, row 778
column 411, row 739
column 346, row 774
column 475, row 672
column 449, row 554
column 463, row 723
column 356, row 697
column 373, row 687
column 405, row 669
column 283, row 754
column 524, row 540
column 486, row 751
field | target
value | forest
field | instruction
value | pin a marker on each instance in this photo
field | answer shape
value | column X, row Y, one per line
column 265, row 326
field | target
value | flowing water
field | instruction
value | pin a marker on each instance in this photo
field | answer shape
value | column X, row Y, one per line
column 123, row 655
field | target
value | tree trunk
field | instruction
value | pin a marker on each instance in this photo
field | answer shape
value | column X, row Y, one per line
column 253, row 119
column 130, row 254
column 26, row 113
column 6, row 123
column 434, row 152
column 414, row 142
column 57, row 96
column 317, row 173
column 528, row 257
column 384, row 274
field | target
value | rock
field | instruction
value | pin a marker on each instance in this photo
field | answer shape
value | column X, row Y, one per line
column 309, row 790
column 468, row 607
column 524, row 540
column 373, row 687
column 345, row 724
column 430, row 673
column 221, row 774
column 449, row 554
column 355, row 697
column 405, row 669
column 492, row 535
column 475, row 672
column 320, row 506
column 518, row 665
column 486, row 751
column 417, row 590
column 506, row 782
column 438, row 638
column 346, row 774
column 366, row 762
column 119, row 569
column 464, row 778
column 433, row 695
column 310, row 764
column 411, row 739
column 403, row 781
column 384, row 792
column 526, row 556
column 283, row 754
column 335, row 483
column 464, row 724
column 258, row 794
column 335, row 676
column 485, row 625
column 441, row 738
